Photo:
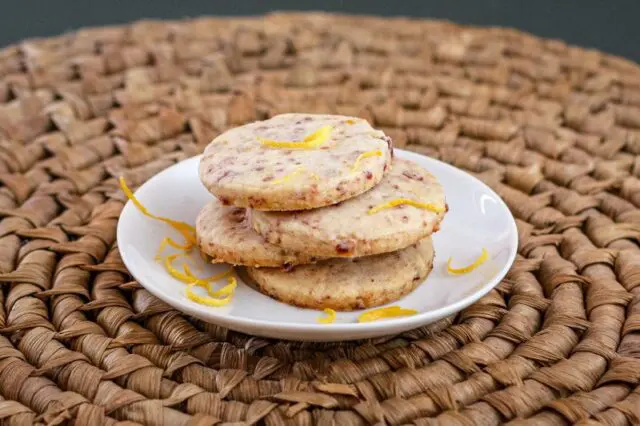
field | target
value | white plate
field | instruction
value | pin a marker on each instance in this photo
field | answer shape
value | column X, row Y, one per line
column 477, row 218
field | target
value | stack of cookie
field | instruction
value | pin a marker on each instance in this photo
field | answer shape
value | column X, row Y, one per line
column 319, row 211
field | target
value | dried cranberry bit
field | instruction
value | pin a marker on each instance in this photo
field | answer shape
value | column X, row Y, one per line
column 369, row 175
column 287, row 267
column 343, row 248
column 223, row 175
column 238, row 214
column 389, row 142
column 412, row 175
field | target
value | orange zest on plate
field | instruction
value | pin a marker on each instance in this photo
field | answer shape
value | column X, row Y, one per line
column 215, row 277
column 214, row 297
column 173, row 271
column 186, row 230
column 400, row 201
column 167, row 241
column 374, row 153
column 382, row 313
column 465, row 270
column 206, row 283
column 330, row 318
column 207, row 300
column 311, row 141
column 191, row 280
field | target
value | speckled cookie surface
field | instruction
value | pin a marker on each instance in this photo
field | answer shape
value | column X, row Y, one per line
column 242, row 170
column 223, row 232
column 348, row 229
column 348, row 284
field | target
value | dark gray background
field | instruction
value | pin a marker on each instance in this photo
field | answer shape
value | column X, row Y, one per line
column 611, row 26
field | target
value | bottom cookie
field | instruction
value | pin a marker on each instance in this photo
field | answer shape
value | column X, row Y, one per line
column 349, row 284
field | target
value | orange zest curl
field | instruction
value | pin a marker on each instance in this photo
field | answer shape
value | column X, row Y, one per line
column 214, row 297
column 228, row 289
column 207, row 300
column 374, row 153
column 174, row 272
column 465, row 270
column 399, row 201
column 186, row 230
column 167, row 241
column 293, row 174
column 311, row 141
column 203, row 281
column 382, row 313
column 191, row 280
column 330, row 318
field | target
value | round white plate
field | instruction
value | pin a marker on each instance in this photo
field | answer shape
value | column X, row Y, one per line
column 477, row 218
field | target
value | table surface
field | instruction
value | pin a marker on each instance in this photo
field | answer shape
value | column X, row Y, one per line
column 607, row 26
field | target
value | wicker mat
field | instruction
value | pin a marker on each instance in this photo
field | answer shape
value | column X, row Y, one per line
column 554, row 129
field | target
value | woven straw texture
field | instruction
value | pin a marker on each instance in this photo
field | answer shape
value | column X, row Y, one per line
column 554, row 129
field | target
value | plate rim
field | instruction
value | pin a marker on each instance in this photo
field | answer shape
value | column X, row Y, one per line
column 405, row 323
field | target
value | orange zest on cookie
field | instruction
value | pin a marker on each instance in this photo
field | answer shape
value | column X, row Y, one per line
column 311, row 141
column 381, row 313
column 293, row 174
column 400, row 201
column 465, row 270
column 330, row 318
column 374, row 153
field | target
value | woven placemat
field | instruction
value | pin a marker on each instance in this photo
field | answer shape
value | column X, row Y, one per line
column 554, row 129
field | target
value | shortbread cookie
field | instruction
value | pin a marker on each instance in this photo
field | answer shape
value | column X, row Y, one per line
column 295, row 162
column 224, row 233
column 348, row 284
column 365, row 225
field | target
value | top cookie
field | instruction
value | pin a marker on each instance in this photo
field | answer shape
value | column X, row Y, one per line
column 295, row 162
column 404, row 208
